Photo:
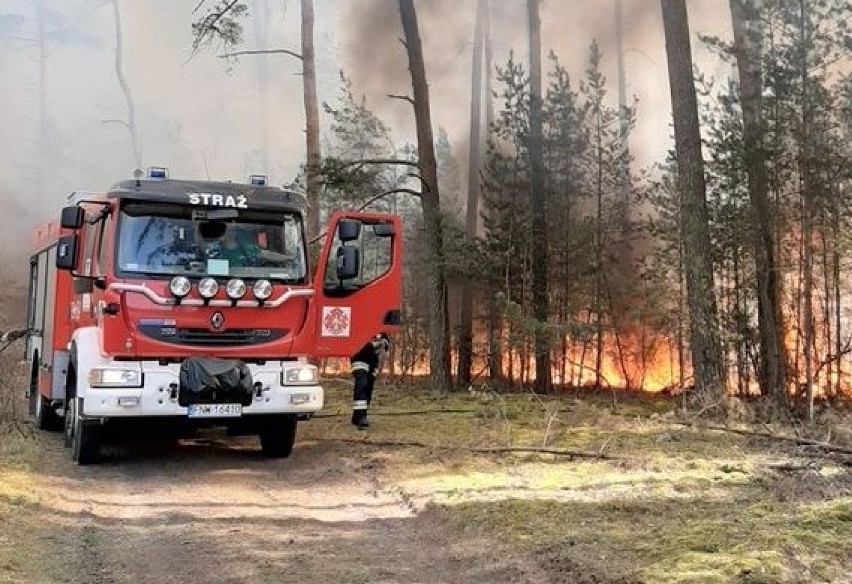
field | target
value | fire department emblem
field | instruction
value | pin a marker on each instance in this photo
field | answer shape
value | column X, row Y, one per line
column 217, row 320
column 336, row 321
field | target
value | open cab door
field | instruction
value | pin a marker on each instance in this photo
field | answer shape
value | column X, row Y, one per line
column 358, row 284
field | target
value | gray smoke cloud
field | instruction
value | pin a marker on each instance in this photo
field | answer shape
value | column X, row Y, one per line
column 376, row 59
column 199, row 117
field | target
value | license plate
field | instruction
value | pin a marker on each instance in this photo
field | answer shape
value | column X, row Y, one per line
column 215, row 411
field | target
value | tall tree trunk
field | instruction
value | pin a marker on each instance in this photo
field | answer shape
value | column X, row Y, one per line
column 312, row 129
column 826, row 314
column 599, row 264
column 439, row 327
column 538, row 207
column 622, row 115
column 261, row 33
column 807, row 210
column 125, row 88
column 703, row 330
column 472, row 215
column 41, row 166
column 495, row 322
column 772, row 362
column 835, row 272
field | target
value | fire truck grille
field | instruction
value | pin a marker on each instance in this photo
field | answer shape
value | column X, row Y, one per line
column 201, row 337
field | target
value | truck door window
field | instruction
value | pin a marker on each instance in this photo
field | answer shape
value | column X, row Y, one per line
column 376, row 258
column 91, row 236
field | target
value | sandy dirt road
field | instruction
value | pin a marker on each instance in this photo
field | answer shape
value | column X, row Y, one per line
column 212, row 510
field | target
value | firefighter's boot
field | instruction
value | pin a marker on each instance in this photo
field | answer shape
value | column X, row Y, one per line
column 359, row 419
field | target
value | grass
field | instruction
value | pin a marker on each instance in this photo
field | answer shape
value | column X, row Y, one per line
column 677, row 505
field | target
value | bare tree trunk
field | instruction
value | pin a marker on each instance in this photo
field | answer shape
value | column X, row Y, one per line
column 495, row 322
column 826, row 312
column 772, row 362
column 704, row 330
column 439, row 328
column 538, row 207
column 807, row 212
column 599, row 249
column 41, row 166
column 312, row 129
column 261, row 30
column 125, row 88
column 472, row 215
column 622, row 113
column 835, row 271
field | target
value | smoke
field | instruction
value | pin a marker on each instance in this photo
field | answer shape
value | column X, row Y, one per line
column 198, row 115
column 376, row 59
column 192, row 115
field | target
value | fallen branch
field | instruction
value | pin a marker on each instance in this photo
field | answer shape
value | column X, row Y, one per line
column 494, row 450
column 402, row 413
column 813, row 465
column 779, row 437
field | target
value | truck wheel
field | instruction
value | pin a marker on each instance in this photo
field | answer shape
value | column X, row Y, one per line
column 70, row 392
column 85, row 437
column 277, row 437
column 44, row 416
column 32, row 391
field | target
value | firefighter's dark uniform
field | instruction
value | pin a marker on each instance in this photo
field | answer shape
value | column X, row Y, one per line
column 365, row 366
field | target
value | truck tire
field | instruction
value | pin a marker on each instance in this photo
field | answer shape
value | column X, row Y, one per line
column 278, row 436
column 85, row 438
column 70, row 393
column 44, row 416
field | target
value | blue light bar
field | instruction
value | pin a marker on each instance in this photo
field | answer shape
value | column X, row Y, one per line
column 158, row 172
column 258, row 180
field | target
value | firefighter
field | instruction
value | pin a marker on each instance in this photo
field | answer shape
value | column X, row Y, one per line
column 365, row 365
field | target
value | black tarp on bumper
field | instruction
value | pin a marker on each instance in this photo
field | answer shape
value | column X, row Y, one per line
column 207, row 380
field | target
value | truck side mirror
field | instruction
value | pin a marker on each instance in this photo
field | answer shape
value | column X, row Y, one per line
column 72, row 217
column 348, row 230
column 348, row 262
column 384, row 230
column 66, row 252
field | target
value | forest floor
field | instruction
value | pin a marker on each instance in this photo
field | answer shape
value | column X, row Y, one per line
column 429, row 494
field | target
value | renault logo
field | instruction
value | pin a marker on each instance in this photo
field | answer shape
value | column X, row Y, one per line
column 217, row 320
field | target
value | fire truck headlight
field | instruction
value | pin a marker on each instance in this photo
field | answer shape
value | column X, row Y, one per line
column 106, row 377
column 304, row 375
column 262, row 289
column 180, row 286
column 208, row 287
column 235, row 289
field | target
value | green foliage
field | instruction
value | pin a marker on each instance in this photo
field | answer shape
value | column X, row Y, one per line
column 588, row 199
column 220, row 24
column 805, row 147
column 357, row 134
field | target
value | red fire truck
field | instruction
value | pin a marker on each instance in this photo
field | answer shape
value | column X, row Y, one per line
column 191, row 304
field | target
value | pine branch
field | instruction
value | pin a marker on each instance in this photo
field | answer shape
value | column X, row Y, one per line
column 396, row 161
column 407, row 98
column 262, row 52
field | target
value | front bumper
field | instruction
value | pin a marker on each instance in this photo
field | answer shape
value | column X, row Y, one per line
column 157, row 396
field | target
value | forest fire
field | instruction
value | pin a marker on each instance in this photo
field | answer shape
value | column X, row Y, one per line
column 643, row 362
column 624, row 364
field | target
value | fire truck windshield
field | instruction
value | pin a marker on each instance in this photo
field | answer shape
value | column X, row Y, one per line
column 166, row 240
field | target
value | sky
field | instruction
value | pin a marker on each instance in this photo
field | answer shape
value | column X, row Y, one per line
column 201, row 116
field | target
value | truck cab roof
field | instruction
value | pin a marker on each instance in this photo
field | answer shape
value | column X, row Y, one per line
column 209, row 194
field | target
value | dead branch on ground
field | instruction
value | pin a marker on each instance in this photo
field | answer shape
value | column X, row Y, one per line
column 474, row 450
